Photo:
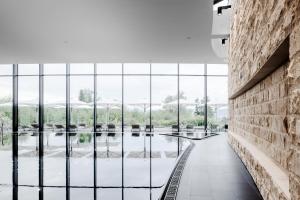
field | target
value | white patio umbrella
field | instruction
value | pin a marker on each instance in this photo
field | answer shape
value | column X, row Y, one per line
column 182, row 102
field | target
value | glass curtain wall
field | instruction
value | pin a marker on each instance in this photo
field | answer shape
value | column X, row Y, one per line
column 54, row 124
column 136, row 119
column 126, row 94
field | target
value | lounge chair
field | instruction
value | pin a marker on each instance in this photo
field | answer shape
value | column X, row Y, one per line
column 35, row 129
column 148, row 129
column 111, row 128
column 98, row 130
column 82, row 125
column 111, row 134
column 73, row 130
column 175, row 129
column 189, row 129
column 24, row 130
column 60, row 129
column 135, row 129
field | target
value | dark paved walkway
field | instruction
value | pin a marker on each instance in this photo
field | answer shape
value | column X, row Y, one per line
column 215, row 172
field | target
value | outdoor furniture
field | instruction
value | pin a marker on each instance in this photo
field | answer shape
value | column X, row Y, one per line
column 149, row 128
column 111, row 134
column 82, row 125
column 111, row 128
column 175, row 129
column 24, row 130
column 98, row 130
column 60, row 129
column 35, row 129
column 73, row 130
column 189, row 128
column 50, row 126
column 226, row 127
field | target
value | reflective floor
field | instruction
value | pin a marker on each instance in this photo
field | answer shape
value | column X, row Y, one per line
column 122, row 169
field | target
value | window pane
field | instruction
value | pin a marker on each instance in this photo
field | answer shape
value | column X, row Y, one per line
column 191, row 104
column 136, row 118
column 54, row 136
column 28, row 69
column 191, row 69
column 109, row 68
column 5, row 130
column 82, row 68
column 164, row 68
column 164, row 102
column 54, row 193
column 28, row 193
column 28, row 130
column 6, row 69
column 81, row 139
column 217, row 93
column 54, row 69
column 217, row 69
column 137, row 68
column 109, row 138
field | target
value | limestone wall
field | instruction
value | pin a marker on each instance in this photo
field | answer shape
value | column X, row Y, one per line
column 267, row 115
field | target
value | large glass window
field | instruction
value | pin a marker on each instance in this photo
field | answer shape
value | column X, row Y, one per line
column 81, row 137
column 173, row 94
column 217, row 103
column 109, row 123
column 191, row 103
column 164, row 103
column 54, row 134
column 28, row 92
column 136, row 119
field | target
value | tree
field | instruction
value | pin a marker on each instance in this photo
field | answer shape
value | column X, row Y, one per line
column 200, row 106
column 86, row 95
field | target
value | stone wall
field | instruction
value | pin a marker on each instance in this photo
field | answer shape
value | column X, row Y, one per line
column 267, row 115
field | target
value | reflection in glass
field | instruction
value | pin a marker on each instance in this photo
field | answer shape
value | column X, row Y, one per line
column 28, row 129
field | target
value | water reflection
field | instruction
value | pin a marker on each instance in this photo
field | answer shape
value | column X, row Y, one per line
column 124, row 168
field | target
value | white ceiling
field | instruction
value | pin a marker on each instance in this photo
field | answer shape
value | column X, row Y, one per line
column 50, row 31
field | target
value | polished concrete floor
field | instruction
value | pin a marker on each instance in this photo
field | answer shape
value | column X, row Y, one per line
column 214, row 172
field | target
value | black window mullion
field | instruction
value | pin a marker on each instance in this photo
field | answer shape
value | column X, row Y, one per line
column 95, row 130
column 41, row 131
column 67, row 132
column 205, row 98
column 122, row 131
column 15, row 123
column 178, row 108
